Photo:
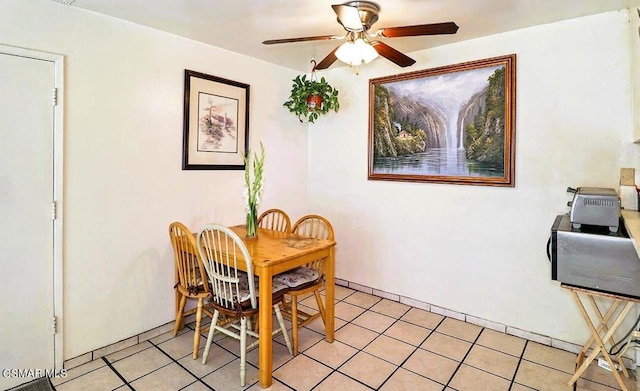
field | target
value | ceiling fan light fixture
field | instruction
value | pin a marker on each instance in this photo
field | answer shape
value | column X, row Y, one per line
column 356, row 52
column 357, row 17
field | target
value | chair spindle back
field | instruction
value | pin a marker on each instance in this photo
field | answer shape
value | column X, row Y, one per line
column 317, row 227
column 191, row 273
column 314, row 226
column 275, row 219
column 222, row 251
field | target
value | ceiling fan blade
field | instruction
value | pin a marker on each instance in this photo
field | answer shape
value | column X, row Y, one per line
column 419, row 29
column 302, row 39
column 328, row 60
column 348, row 16
column 392, row 54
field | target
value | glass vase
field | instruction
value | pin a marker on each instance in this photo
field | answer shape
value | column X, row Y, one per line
column 252, row 224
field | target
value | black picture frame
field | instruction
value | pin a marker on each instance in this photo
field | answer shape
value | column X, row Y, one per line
column 216, row 122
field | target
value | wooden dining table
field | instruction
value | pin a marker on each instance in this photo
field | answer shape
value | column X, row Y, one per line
column 275, row 252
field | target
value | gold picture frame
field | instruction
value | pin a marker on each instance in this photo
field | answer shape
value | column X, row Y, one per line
column 453, row 124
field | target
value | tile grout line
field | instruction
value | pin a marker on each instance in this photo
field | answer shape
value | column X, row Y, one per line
column 355, row 288
column 114, row 370
column 414, row 350
column 465, row 356
column 513, row 380
column 398, row 318
column 498, row 351
column 513, row 383
column 182, row 366
column 371, row 291
column 362, row 350
column 302, row 353
column 228, row 351
column 335, row 370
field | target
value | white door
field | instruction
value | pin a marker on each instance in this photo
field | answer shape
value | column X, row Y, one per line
column 27, row 242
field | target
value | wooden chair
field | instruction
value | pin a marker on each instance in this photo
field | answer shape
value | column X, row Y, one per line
column 306, row 279
column 191, row 280
column 234, row 290
column 275, row 219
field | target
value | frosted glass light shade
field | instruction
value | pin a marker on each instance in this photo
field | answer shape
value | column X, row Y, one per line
column 356, row 52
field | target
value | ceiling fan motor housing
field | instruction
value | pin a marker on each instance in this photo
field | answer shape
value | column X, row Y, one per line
column 368, row 11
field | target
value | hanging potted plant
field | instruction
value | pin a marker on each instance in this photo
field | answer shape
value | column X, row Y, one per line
column 311, row 98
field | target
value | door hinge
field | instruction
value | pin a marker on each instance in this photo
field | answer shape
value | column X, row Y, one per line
column 54, row 210
column 54, row 325
column 54, row 97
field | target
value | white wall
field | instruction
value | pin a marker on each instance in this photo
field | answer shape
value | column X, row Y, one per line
column 477, row 250
column 473, row 249
column 123, row 146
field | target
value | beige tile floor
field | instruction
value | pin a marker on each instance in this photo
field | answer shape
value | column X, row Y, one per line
column 379, row 345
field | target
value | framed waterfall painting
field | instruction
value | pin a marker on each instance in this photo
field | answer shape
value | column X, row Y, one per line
column 453, row 124
column 216, row 123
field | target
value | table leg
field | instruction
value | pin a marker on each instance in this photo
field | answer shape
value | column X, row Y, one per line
column 608, row 335
column 330, row 296
column 265, row 319
column 595, row 332
column 604, row 320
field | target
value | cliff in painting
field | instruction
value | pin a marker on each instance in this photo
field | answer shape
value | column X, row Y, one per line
column 463, row 111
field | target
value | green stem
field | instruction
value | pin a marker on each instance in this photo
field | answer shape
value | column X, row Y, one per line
column 252, row 218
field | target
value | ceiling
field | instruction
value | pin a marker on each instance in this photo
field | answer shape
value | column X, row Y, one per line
column 241, row 25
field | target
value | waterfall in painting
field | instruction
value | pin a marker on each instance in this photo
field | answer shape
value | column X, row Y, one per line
column 448, row 124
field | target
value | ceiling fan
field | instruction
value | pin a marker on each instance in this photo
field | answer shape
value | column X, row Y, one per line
column 357, row 17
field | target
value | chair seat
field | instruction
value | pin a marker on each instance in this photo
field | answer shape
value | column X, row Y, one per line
column 278, row 289
column 194, row 291
column 298, row 277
